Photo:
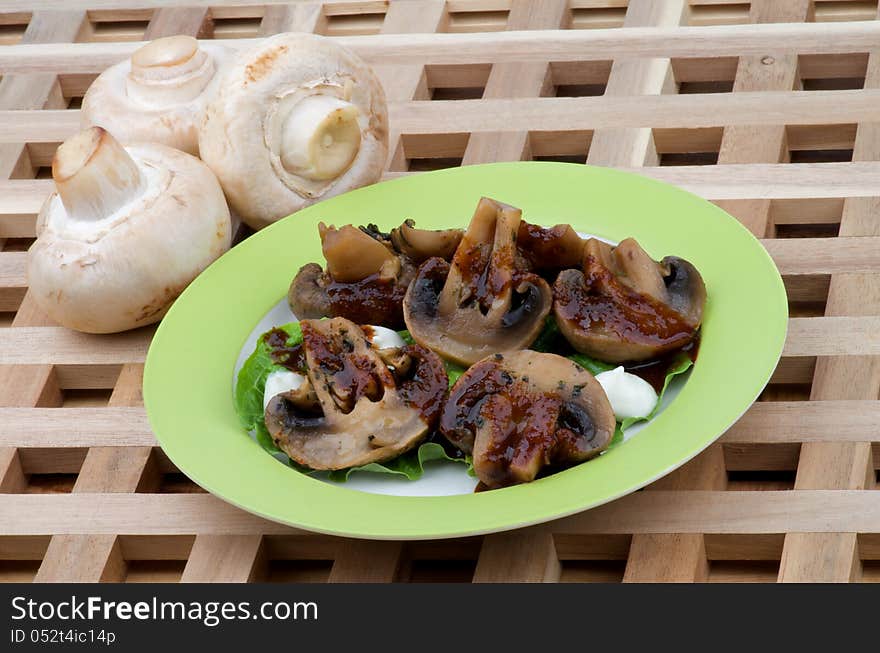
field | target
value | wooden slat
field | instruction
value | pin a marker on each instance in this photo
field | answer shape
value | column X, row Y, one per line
column 753, row 143
column 366, row 562
column 525, row 556
column 526, row 45
column 223, row 559
column 627, row 146
column 292, row 17
column 35, row 91
column 748, row 512
column 520, row 80
column 833, row 557
column 559, row 113
column 193, row 21
column 98, row 557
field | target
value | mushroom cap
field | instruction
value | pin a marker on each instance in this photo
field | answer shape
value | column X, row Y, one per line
column 421, row 244
column 238, row 140
column 482, row 303
column 365, row 412
column 170, row 122
column 519, row 412
column 624, row 306
column 124, row 271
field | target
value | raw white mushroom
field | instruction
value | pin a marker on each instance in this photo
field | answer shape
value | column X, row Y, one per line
column 296, row 119
column 630, row 395
column 127, row 230
column 159, row 95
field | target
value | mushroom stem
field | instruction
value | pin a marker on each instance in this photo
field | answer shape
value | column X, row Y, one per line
column 320, row 137
column 94, row 175
column 169, row 70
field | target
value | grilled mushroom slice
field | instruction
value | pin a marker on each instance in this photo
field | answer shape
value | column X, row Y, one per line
column 354, row 409
column 625, row 306
column 519, row 412
column 550, row 248
column 365, row 280
column 421, row 244
column 483, row 302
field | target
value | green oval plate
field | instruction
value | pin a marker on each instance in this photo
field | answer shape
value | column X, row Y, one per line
column 188, row 377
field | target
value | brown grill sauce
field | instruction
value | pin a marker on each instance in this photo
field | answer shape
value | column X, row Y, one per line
column 292, row 357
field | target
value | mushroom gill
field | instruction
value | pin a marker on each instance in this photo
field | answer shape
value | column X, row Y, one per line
column 365, row 411
column 482, row 302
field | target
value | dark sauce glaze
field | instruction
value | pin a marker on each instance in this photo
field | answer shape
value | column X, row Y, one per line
column 655, row 371
column 369, row 301
column 292, row 357
column 546, row 248
column 601, row 304
column 349, row 376
column 425, row 384
column 524, row 429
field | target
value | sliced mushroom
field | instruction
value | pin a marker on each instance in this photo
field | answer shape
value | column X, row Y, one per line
column 550, row 248
column 483, row 302
column 421, row 244
column 625, row 306
column 365, row 411
column 518, row 413
column 307, row 295
column 365, row 280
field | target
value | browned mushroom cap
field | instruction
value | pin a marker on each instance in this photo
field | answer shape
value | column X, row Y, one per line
column 354, row 410
column 307, row 295
column 550, row 248
column 421, row 244
column 365, row 280
column 519, row 412
column 481, row 303
column 625, row 306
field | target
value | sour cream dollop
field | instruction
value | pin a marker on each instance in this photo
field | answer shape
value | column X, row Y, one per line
column 383, row 338
column 630, row 395
column 281, row 381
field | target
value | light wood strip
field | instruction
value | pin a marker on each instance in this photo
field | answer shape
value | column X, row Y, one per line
column 523, row 556
column 39, row 90
column 12, row 478
column 409, row 82
column 558, row 113
column 519, row 80
column 223, row 559
column 527, row 45
column 762, row 143
column 97, row 557
column 763, row 423
column 20, row 200
column 833, row 557
column 193, row 21
column 643, row 512
column 293, row 17
column 627, row 146
column 47, row 345
column 366, row 562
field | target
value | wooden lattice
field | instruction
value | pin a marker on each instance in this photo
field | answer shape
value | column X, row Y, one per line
column 768, row 108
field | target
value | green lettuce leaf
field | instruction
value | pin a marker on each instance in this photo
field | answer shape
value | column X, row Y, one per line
column 410, row 464
column 681, row 365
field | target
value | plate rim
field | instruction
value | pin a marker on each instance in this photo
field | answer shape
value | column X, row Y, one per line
column 153, row 371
